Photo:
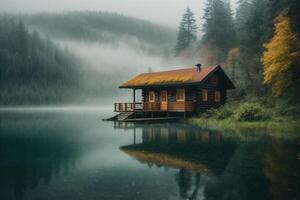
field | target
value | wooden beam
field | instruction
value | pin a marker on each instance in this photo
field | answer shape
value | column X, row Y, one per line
column 133, row 99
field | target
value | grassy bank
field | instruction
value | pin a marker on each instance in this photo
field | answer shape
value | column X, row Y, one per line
column 264, row 113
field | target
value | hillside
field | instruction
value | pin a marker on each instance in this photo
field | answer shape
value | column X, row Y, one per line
column 73, row 57
column 33, row 69
column 102, row 27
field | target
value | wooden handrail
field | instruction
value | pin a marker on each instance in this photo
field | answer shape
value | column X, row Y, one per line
column 184, row 106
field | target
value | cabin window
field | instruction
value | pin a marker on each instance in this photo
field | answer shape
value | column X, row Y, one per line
column 151, row 96
column 204, row 95
column 217, row 96
column 180, row 95
column 214, row 80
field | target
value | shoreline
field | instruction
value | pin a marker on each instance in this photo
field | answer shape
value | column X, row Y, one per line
column 291, row 125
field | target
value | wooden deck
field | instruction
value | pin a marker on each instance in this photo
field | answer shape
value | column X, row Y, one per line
column 184, row 106
column 158, row 119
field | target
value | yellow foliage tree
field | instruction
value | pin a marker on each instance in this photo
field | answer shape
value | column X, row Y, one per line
column 280, row 56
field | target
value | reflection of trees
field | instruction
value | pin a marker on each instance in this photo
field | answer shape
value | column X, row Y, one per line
column 188, row 183
column 283, row 169
column 244, row 177
column 184, row 182
column 32, row 153
column 194, row 152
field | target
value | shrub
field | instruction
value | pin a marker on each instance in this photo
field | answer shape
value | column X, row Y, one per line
column 288, row 110
column 218, row 113
column 224, row 112
column 251, row 112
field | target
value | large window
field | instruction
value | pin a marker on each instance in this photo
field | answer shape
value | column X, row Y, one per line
column 180, row 95
column 151, row 96
column 217, row 96
column 204, row 95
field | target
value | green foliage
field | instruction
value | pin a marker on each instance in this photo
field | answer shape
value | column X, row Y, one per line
column 219, row 113
column 187, row 32
column 218, row 25
column 251, row 112
column 281, row 56
column 33, row 69
column 287, row 109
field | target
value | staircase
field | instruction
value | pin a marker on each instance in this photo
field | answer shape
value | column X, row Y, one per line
column 124, row 115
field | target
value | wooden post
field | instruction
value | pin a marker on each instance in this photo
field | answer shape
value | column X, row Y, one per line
column 133, row 99
column 134, row 136
column 134, row 103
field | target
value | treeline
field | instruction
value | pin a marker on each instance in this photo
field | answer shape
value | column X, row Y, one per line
column 33, row 69
column 258, row 45
column 102, row 27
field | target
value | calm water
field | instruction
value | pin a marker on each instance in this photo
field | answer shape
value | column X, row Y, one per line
column 74, row 155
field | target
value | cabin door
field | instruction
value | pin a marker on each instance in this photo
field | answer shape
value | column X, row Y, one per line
column 164, row 100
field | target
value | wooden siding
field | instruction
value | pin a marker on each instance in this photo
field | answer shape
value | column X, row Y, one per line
column 193, row 96
column 151, row 106
column 182, row 106
column 211, row 88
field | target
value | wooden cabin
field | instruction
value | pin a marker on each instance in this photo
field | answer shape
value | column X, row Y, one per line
column 176, row 93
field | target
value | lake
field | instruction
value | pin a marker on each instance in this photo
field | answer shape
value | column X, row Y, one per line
column 65, row 154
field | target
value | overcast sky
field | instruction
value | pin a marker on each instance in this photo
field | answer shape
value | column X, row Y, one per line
column 167, row 12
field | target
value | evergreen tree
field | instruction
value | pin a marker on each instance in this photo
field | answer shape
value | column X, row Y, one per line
column 218, row 30
column 253, row 30
column 187, row 32
column 293, row 7
column 281, row 58
column 32, row 69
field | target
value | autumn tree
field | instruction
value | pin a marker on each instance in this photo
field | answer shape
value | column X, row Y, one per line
column 187, row 32
column 281, row 70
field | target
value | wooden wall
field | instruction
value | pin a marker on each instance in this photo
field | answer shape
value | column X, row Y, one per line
column 193, row 94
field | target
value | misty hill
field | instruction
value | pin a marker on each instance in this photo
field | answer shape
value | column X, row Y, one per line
column 103, row 27
column 76, row 57
column 33, row 69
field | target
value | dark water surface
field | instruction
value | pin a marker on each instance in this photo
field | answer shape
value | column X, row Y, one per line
column 74, row 155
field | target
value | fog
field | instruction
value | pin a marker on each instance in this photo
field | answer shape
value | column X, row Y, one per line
column 167, row 12
column 114, row 64
column 111, row 48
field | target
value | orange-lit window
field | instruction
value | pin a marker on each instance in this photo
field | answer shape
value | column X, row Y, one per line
column 180, row 95
column 214, row 80
column 217, row 96
column 204, row 95
column 151, row 96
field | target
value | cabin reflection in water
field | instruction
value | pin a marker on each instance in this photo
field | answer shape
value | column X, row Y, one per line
column 181, row 147
column 198, row 155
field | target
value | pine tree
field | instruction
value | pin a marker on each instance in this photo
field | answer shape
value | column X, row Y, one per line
column 281, row 56
column 253, row 30
column 219, row 32
column 187, row 32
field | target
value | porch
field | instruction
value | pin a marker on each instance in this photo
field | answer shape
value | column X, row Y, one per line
column 182, row 106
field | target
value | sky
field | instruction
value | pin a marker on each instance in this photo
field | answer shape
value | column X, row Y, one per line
column 166, row 12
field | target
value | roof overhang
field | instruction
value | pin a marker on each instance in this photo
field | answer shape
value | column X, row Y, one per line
column 228, row 82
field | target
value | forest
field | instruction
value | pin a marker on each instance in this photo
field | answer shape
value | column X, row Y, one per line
column 258, row 45
column 34, row 69
column 102, row 27
column 68, row 58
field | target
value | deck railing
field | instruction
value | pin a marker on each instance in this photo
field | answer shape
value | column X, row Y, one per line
column 184, row 106
column 128, row 107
